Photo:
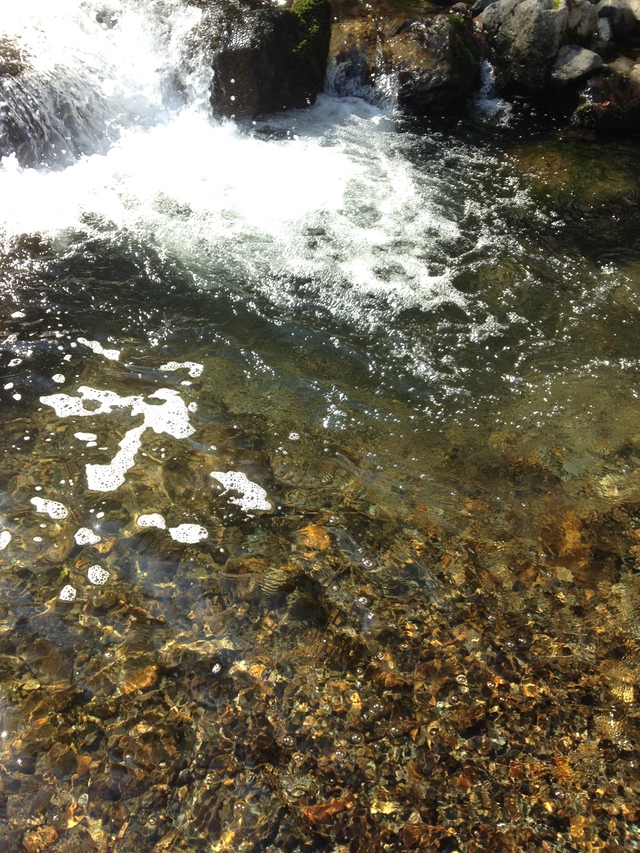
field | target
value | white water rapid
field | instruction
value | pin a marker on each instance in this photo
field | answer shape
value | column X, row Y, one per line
column 322, row 195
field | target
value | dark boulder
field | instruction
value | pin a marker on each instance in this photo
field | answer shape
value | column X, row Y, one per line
column 437, row 63
column 267, row 59
column 612, row 102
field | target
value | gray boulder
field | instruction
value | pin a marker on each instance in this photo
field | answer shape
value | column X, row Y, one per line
column 526, row 36
column 582, row 20
column 574, row 64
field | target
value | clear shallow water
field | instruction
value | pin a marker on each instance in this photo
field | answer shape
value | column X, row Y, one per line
column 352, row 409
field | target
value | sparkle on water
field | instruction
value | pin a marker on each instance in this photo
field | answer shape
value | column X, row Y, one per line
column 319, row 517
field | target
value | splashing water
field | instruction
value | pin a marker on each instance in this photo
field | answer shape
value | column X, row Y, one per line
column 318, row 491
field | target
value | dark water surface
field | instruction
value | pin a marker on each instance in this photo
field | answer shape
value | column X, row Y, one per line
column 319, row 491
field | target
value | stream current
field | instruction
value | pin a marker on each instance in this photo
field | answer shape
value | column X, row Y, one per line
column 319, row 508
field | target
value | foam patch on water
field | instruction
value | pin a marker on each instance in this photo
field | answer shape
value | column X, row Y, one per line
column 151, row 519
column 193, row 367
column 85, row 536
column 85, row 436
column 252, row 496
column 96, row 346
column 97, row 575
column 189, row 533
column 171, row 416
column 53, row 509
column 5, row 538
column 68, row 593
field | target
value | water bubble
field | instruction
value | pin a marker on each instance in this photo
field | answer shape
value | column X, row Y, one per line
column 461, row 679
column 239, row 808
column 368, row 564
column 288, row 741
column 363, row 600
column 356, row 738
column 298, row 758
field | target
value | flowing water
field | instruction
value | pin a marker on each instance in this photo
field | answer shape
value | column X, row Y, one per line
column 319, row 491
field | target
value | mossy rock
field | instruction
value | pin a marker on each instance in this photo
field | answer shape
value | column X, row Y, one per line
column 310, row 55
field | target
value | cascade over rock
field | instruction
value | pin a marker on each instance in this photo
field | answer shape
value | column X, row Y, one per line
column 49, row 117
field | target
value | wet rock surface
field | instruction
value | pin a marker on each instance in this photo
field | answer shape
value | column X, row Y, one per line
column 426, row 62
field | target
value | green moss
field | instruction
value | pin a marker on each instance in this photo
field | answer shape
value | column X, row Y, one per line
column 463, row 44
column 310, row 56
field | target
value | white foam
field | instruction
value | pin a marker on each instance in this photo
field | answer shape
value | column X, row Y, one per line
column 85, row 536
column 107, row 478
column 5, row 538
column 253, row 496
column 151, row 519
column 171, row 417
column 189, row 533
column 96, row 346
column 53, row 509
column 97, row 575
column 68, row 593
column 58, row 377
column 85, row 436
column 193, row 367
